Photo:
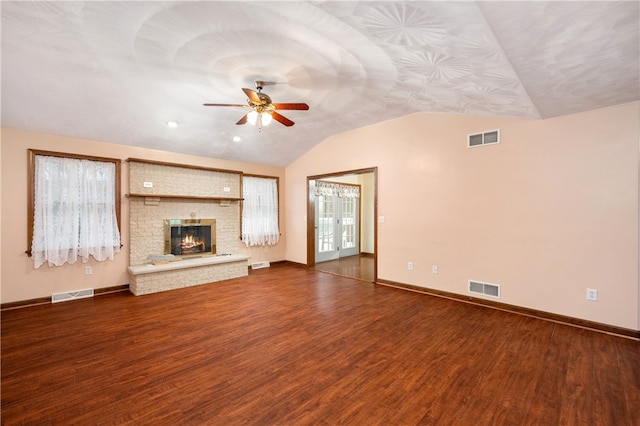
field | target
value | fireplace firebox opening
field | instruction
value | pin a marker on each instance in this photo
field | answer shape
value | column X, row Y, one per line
column 190, row 237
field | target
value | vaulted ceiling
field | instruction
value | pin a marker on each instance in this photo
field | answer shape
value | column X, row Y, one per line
column 119, row 71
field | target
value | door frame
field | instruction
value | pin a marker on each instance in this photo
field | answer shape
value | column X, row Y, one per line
column 311, row 213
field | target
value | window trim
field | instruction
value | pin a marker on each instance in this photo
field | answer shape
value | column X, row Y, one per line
column 31, row 169
column 277, row 179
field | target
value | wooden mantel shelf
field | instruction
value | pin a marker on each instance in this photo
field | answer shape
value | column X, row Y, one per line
column 184, row 197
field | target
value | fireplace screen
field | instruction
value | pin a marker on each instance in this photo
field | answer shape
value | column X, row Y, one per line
column 184, row 237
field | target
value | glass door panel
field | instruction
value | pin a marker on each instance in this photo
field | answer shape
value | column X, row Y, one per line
column 337, row 227
column 325, row 227
column 349, row 226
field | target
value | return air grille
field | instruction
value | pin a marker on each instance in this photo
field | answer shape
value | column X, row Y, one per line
column 260, row 265
column 485, row 289
column 489, row 137
column 71, row 295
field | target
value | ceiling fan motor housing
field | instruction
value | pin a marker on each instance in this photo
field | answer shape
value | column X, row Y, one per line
column 264, row 97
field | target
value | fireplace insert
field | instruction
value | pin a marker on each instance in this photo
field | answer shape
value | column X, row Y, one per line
column 190, row 237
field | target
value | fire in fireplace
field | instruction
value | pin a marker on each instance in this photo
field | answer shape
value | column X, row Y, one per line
column 189, row 237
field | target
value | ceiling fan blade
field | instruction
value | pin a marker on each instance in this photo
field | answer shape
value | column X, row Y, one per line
column 243, row 120
column 299, row 106
column 252, row 95
column 226, row 105
column 282, row 119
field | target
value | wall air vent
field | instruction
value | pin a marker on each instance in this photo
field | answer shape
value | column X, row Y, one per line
column 489, row 137
column 71, row 295
column 485, row 289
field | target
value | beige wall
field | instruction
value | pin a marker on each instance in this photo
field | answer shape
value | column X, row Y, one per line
column 20, row 281
column 548, row 212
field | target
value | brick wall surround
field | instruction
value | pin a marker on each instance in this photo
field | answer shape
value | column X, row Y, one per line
column 176, row 180
column 147, row 215
column 146, row 224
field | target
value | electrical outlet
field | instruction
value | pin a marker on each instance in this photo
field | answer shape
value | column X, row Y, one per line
column 147, row 184
column 592, row 294
column 88, row 270
column 434, row 269
column 410, row 266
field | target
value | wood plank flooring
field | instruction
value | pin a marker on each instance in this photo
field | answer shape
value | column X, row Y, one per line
column 293, row 346
column 359, row 267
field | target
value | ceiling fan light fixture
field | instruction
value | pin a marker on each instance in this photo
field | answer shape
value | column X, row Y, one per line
column 252, row 117
column 259, row 118
column 265, row 118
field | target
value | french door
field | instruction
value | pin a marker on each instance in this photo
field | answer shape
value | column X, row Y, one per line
column 337, row 227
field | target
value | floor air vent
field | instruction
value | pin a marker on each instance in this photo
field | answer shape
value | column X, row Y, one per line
column 71, row 295
column 486, row 289
column 258, row 265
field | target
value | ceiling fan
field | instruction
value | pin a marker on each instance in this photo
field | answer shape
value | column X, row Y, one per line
column 263, row 110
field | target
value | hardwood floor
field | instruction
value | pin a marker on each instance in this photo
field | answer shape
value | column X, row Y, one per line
column 293, row 346
column 359, row 267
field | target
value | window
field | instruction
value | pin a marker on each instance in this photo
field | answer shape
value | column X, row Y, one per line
column 260, row 210
column 74, row 207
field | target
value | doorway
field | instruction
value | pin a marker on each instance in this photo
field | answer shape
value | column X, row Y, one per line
column 342, row 230
column 337, row 223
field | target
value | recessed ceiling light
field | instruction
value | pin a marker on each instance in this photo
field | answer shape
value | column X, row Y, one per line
column 172, row 124
column 237, row 138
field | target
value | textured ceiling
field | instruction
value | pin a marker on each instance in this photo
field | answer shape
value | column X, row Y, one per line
column 118, row 71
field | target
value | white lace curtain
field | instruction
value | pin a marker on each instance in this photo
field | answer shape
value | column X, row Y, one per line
column 329, row 189
column 74, row 211
column 260, row 211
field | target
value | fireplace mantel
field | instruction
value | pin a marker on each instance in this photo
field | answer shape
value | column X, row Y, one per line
column 183, row 197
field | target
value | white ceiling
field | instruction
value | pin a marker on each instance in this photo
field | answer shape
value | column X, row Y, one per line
column 118, row 71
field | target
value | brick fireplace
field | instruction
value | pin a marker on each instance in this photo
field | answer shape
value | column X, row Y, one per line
column 161, row 195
